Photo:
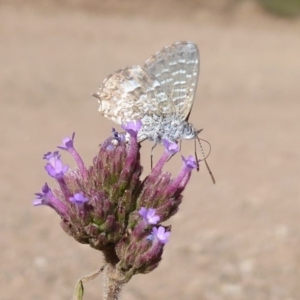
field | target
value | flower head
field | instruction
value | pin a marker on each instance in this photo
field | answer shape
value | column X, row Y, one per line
column 110, row 206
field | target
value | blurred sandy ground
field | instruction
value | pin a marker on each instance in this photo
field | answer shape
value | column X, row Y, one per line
column 238, row 239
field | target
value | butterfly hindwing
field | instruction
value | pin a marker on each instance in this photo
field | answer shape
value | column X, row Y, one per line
column 130, row 94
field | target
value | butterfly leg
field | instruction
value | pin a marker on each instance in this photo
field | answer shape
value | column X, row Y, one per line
column 151, row 156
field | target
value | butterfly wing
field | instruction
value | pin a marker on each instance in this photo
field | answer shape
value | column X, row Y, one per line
column 177, row 67
column 130, row 94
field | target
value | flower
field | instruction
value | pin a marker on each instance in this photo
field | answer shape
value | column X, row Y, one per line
column 180, row 182
column 161, row 234
column 78, row 198
column 132, row 127
column 55, row 167
column 68, row 145
column 190, row 162
column 41, row 198
column 46, row 197
column 149, row 215
column 110, row 206
column 170, row 147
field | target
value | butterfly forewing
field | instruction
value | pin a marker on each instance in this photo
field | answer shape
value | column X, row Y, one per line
column 177, row 67
column 130, row 94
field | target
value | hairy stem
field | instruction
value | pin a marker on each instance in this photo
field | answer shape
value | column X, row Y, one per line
column 112, row 281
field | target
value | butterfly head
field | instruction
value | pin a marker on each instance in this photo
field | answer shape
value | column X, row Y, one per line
column 188, row 131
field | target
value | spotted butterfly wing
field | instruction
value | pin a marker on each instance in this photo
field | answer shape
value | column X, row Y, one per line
column 176, row 68
column 130, row 94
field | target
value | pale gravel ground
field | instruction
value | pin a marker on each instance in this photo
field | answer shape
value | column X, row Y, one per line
column 239, row 239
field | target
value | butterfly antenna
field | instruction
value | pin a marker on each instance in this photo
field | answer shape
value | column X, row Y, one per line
column 196, row 156
column 205, row 157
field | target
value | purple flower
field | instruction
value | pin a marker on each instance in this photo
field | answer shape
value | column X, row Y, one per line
column 110, row 205
column 78, row 198
column 161, row 234
column 170, row 147
column 41, row 198
column 190, row 162
column 183, row 177
column 54, row 167
column 148, row 214
column 132, row 127
column 68, row 143
column 46, row 197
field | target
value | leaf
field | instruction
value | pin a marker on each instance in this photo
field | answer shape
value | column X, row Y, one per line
column 79, row 289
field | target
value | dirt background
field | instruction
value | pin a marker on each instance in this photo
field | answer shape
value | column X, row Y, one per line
column 238, row 239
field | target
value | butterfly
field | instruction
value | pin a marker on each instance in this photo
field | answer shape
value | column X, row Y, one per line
column 160, row 94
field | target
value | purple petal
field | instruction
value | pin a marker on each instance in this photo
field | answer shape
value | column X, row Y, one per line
column 78, row 198
column 143, row 212
column 41, row 198
column 37, row 202
column 149, row 215
column 50, row 170
column 132, row 127
column 68, row 143
column 46, row 197
column 152, row 217
column 55, row 167
column 161, row 234
column 190, row 162
column 171, row 147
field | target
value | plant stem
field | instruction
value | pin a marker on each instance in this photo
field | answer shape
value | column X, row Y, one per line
column 112, row 282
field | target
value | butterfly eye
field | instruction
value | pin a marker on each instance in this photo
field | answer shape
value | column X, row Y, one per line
column 188, row 131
